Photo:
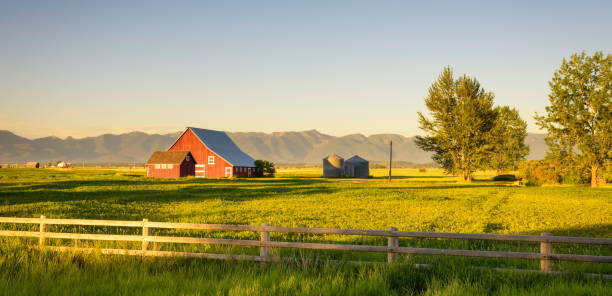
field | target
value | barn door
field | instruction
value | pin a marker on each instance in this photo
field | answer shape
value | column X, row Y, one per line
column 200, row 171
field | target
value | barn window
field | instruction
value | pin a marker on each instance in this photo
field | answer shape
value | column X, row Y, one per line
column 228, row 172
column 170, row 166
column 163, row 166
column 157, row 166
column 187, row 158
column 211, row 160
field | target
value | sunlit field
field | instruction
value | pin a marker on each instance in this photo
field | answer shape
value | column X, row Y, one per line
column 412, row 201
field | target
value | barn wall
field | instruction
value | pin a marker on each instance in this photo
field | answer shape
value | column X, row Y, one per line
column 152, row 172
column 190, row 142
column 243, row 172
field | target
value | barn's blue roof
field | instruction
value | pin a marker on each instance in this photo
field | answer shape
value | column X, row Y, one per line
column 220, row 143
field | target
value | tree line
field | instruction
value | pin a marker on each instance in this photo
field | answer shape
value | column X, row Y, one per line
column 466, row 131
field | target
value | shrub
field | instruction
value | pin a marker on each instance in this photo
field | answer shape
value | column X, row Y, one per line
column 538, row 172
column 607, row 172
column 549, row 171
column 507, row 177
column 575, row 175
column 532, row 182
column 422, row 170
column 267, row 167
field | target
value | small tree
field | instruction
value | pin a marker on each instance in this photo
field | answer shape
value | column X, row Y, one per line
column 579, row 118
column 507, row 146
column 462, row 117
column 266, row 167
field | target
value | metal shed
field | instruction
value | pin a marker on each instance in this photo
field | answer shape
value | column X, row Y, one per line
column 333, row 166
column 357, row 167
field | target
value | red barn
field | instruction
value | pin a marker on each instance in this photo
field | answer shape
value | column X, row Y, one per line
column 216, row 155
column 170, row 164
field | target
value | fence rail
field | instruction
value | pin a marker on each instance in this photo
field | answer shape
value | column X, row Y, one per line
column 545, row 255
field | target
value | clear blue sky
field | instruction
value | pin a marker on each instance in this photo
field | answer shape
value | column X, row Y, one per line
column 341, row 67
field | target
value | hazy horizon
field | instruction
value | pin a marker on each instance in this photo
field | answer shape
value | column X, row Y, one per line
column 344, row 67
column 182, row 130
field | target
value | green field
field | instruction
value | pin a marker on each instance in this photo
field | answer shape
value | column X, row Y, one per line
column 413, row 201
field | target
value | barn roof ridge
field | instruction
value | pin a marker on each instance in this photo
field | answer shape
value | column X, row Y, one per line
column 220, row 143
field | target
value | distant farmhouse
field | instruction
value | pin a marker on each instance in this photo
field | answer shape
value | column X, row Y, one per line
column 64, row 165
column 32, row 164
column 214, row 153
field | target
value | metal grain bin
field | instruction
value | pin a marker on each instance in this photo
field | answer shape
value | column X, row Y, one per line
column 357, row 167
column 333, row 166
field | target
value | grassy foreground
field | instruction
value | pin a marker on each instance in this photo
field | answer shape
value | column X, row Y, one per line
column 428, row 201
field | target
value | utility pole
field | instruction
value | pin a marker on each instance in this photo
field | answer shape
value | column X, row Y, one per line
column 390, row 158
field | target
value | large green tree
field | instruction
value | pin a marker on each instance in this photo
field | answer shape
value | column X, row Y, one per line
column 507, row 146
column 462, row 116
column 579, row 118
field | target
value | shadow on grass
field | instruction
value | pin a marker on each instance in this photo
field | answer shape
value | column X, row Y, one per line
column 411, row 177
column 443, row 186
column 123, row 191
column 71, row 184
column 599, row 230
column 155, row 196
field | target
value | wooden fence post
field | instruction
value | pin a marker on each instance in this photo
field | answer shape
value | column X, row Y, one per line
column 42, row 229
column 546, row 248
column 392, row 242
column 145, row 232
column 264, row 236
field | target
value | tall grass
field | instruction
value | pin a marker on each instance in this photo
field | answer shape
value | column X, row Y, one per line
column 31, row 272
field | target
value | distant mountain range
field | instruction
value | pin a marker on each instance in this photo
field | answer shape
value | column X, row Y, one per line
column 280, row 147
